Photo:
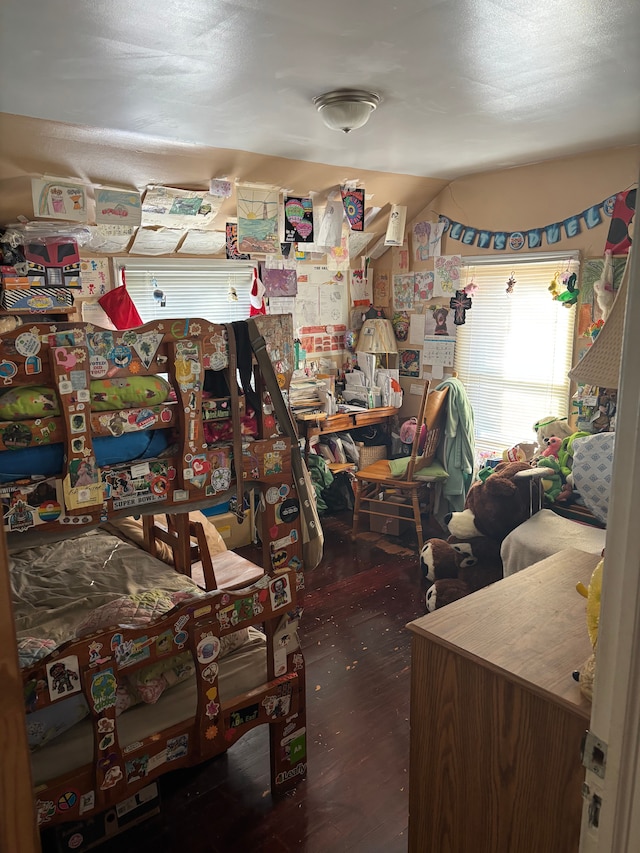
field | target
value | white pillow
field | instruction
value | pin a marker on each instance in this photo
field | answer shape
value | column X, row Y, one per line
column 592, row 468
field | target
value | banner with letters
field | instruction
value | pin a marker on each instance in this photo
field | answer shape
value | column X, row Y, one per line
column 533, row 238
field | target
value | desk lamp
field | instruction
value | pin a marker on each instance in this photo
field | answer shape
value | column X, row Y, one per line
column 377, row 337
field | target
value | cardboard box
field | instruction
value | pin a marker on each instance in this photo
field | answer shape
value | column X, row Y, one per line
column 37, row 299
column 235, row 535
column 392, row 524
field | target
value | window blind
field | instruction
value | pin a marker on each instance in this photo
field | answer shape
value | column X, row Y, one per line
column 191, row 287
column 514, row 351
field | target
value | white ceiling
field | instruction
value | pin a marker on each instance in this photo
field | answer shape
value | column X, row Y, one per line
column 467, row 85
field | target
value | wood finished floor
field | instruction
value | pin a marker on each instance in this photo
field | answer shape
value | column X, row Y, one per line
column 355, row 797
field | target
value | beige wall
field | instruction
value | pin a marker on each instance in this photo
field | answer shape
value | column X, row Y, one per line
column 537, row 195
column 522, row 198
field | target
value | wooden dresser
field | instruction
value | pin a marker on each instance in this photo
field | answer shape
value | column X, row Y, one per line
column 496, row 718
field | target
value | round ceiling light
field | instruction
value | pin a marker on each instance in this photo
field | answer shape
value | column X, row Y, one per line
column 346, row 109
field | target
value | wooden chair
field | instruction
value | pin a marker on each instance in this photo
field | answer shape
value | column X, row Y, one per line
column 188, row 542
column 378, row 493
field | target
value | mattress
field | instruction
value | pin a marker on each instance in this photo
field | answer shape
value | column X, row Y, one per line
column 544, row 534
column 54, row 587
column 240, row 671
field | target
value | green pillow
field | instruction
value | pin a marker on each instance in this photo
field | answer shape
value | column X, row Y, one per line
column 28, row 401
column 435, row 470
column 127, row 392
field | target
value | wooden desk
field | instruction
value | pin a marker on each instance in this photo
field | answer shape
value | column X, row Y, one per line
column 496, row 718
column 319, row 423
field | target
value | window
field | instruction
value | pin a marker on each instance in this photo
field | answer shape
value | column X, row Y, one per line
column 191, row 288
column 514, row 351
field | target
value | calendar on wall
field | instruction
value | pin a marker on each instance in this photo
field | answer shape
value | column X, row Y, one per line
column 439, row 351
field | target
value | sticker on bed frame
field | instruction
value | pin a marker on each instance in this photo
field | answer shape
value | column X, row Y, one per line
column 87, row 802
column 244, row 715
column 63, row 677
column 45, row 810
column 32, row 365
column 279, row 704
column 177, row 747
column 98, row 366
column 128, row 652
column 288, row 511
column 8, row 370
column 208, row 648
column 28, row 344
column 103, row 690
column 290, row 539
column 294, row 746
column 112, row 777
column 210, row 673
column 187, row 366
column 146, row 346
column 280, row 592
column 137, row 768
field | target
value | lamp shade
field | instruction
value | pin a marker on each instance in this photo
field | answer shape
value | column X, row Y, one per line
column 346, row 109
column 377, row 336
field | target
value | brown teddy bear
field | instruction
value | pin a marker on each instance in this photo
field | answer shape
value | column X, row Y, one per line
column 471, row 556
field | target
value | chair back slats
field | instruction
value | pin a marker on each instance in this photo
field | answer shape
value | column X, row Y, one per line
column 432, row 414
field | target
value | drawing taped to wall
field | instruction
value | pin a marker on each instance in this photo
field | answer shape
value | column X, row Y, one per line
column 257, row 219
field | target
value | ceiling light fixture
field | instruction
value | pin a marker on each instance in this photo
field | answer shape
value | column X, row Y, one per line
column 346, row 109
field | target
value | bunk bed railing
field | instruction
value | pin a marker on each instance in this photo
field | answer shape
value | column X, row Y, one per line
column 93, row 665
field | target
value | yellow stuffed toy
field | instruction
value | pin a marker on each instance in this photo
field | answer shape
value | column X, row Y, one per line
column 586, row 674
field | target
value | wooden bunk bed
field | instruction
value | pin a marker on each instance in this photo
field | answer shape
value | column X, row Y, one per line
column 223, row 677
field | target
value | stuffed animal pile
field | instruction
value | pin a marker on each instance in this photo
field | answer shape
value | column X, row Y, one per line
column 470, row 558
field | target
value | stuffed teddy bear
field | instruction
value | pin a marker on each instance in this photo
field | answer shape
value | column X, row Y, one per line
column 471, row 556
column 547, row 429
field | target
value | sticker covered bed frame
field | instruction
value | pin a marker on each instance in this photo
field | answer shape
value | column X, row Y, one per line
column 96, row 425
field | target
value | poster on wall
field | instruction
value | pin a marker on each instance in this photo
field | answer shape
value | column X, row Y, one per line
column 438, row 323
column 203, row 243
column 298, row 220
column 155, row 241
column 395, row 227
column 409, row 362
column 426, row 240
column 57, row 198
column 403, row 287
column 423, row 288
column 110, row 239
column 181, row 209
column 330, row 232
column 338, row 256
column 279, row 282
column 231, row 234
column 446, row 275
column 117, row 205
column 353, row 203
column 94, row 276
column 361, row 289
column 381, row 290
column 258, row 219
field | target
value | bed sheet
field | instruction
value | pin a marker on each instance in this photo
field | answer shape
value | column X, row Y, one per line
column 55, row 586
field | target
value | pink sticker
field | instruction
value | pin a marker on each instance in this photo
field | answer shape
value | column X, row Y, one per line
column 273, row 531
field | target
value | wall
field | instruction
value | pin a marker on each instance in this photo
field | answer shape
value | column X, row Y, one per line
column 518, row 199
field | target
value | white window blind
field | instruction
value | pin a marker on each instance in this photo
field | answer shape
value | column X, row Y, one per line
column 514, row 351
column 191, row 287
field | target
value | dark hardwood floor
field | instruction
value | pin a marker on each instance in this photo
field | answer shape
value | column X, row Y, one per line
column 355, row 797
